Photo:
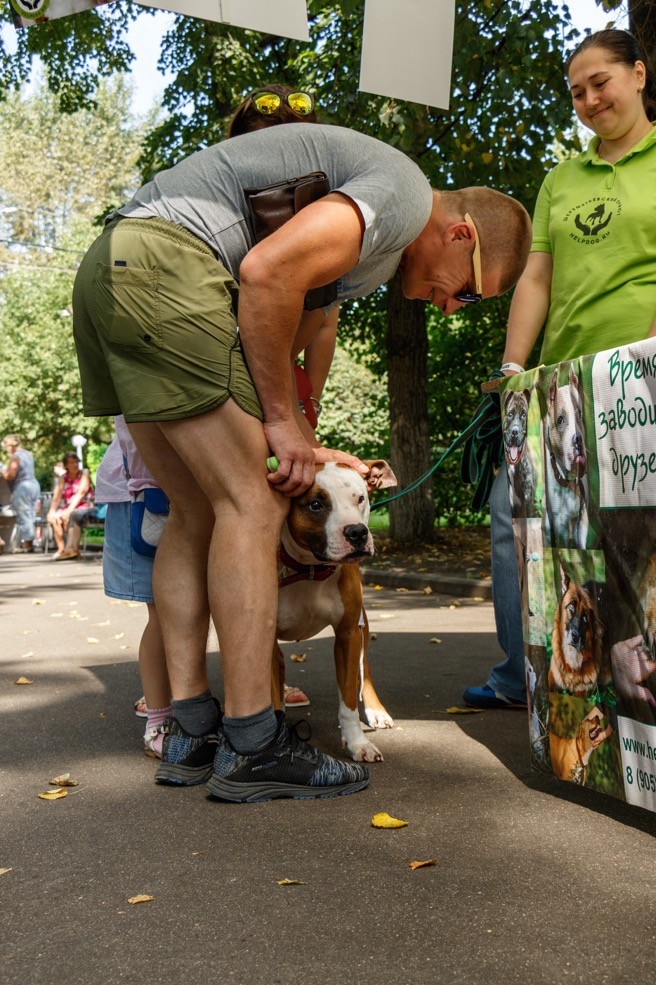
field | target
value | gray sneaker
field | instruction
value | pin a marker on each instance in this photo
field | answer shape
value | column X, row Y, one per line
column 289, row 767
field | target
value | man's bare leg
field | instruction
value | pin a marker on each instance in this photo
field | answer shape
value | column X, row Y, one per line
column 224, row 517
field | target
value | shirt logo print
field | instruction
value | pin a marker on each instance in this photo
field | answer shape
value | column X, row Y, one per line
column 594, row 222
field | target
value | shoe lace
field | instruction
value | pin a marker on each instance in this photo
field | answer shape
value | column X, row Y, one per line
column 298, row 743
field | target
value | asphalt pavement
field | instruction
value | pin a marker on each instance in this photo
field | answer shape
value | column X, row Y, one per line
column 535, row 881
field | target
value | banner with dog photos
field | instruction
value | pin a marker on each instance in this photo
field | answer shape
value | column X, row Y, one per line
column 25, row 13
column 580, row 450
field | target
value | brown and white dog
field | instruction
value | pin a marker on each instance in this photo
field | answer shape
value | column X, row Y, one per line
column 570, row 757
column 577, row 659
column 323, row 539
column 566, row 515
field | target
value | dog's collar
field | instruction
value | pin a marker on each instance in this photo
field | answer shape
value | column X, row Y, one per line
column 562, row 480
column 302, row 572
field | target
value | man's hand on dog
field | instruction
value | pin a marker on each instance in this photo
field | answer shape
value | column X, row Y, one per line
column 297, row 459
column 295, row 472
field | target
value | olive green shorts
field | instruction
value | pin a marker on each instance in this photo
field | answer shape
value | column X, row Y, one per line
column 155, row 327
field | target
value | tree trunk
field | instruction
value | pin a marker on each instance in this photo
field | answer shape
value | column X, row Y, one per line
column 411, row 517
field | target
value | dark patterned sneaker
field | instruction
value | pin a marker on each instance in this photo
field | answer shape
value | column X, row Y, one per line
column 186, row 759
column 289, row 767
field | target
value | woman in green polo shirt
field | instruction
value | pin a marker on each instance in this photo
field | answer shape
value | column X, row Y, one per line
column 590, row 279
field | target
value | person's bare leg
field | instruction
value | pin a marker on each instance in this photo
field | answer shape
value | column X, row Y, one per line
column 58, row 533
column 180, row 570
column 227, row 450
column 152, row 663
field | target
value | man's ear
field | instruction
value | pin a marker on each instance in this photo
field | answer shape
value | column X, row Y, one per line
column 457, row 231
column 380, row 475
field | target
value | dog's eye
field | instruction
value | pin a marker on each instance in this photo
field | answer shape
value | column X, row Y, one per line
column 315, row 505
column 560, row 421
column 571, row 608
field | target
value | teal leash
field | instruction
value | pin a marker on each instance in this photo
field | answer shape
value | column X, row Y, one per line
column 482, row 454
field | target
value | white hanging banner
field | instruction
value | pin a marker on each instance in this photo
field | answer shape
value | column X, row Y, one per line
column 25, row 13
column 284, row 18
column 407, row 50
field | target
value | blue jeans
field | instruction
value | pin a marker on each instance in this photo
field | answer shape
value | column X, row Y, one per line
column 509, row 676
column 23, row 500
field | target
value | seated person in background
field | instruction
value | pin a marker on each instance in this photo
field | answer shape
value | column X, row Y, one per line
column 71, row 501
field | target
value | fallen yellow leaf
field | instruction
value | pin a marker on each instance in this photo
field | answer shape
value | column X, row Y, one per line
column 386, row 821
column 402, row 589
column 2, row 871
column 423, row 865
column 434, row 639
column 427, row 591
column 30, row 653
column 455, row 710
column 64, row 780
column 141, row 898
column 92, row 639
column 37, row 601
column 23, row 680
column 298, row 658
column 56, row 794
column 119, row 636
column 289, row 882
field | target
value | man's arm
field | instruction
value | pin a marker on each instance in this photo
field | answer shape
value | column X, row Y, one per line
column 529, row 308
column 320, row 244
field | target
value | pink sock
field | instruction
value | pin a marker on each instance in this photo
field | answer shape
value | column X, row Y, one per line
column 155, row 718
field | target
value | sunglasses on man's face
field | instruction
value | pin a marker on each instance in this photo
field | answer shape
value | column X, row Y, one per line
column 467, row 296
column 266, row 102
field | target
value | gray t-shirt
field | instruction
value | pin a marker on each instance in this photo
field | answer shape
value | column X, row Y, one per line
column 204, row 193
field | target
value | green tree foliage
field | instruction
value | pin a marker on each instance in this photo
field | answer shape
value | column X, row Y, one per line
column 509, row 103
column 355, row 411
column 57, row 173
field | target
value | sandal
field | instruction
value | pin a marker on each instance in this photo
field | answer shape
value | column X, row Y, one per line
column 153, row 739
column 68, row 555
column 294, row 697
column 140, row 708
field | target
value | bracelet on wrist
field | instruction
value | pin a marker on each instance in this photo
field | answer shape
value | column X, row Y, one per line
column 317, row 405
column 515, row 367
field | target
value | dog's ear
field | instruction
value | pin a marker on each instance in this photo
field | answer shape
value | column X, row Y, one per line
column 527, row 394
column 573, row 378
column 380, row 475
column 564, row 581
column 553, row 386
column 506, row 396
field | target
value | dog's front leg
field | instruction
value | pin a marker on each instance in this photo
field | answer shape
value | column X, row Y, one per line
column 347, row 667
column 374, row 710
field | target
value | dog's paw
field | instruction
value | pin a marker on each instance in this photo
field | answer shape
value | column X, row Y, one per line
column 365, row 752
column 378, row 718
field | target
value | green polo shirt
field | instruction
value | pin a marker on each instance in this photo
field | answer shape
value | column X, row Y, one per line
column 598, row 220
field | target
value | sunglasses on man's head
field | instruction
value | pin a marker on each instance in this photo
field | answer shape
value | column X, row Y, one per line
column 266, row 102
column 466, row 296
